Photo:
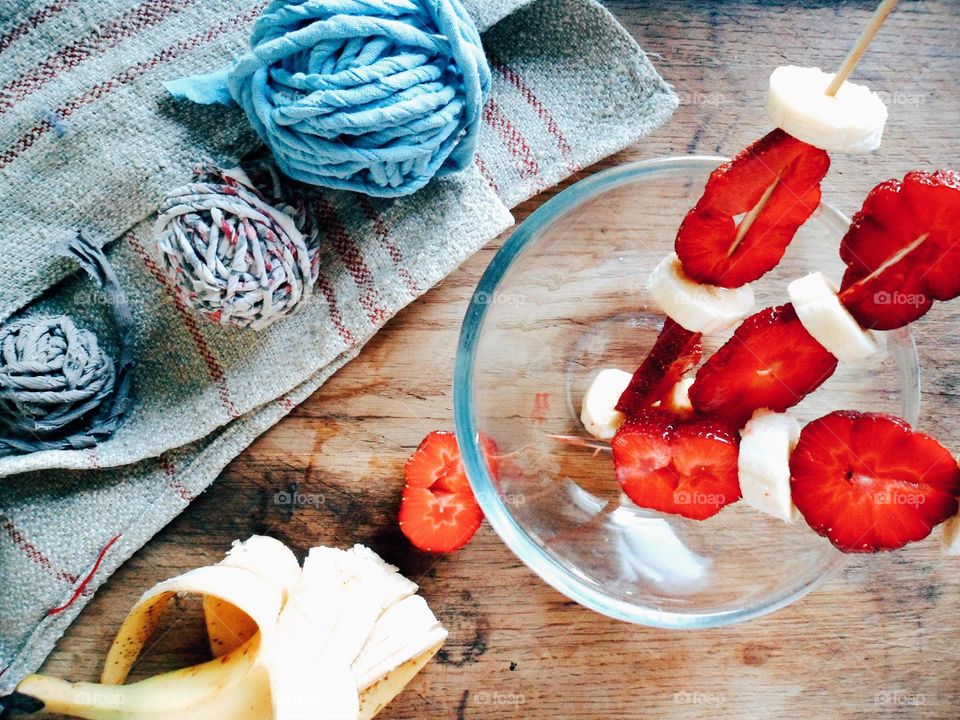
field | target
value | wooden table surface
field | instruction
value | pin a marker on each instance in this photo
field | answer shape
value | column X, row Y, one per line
column 879, row 639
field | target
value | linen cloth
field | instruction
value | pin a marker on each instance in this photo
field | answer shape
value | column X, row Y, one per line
column 89, row 139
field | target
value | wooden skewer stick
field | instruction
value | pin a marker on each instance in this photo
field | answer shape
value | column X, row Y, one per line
column 853, row 57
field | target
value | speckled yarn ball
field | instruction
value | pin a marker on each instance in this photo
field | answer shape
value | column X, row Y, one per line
column 52, row 375
column 237, row 259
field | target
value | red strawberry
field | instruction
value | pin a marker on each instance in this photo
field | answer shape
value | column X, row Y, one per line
column 868, row 482
column 776, row 182
column 770, row 362
column 676, row 351
column 903, row 249
column 438, row 511
column 686, row 468
column 437, row 520
column 436, row 463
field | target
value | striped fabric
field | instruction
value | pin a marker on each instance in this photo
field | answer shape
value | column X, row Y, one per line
column 87, row 138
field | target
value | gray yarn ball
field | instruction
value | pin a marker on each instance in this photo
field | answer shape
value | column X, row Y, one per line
column 52, row 374
column 237, row 259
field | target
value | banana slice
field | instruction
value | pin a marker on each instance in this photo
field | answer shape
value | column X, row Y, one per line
column 764, row 463
column 851, row 121
column 950, row 539
column 598, row 411
column 814, row 297
column 698, row 308
column 677, row 401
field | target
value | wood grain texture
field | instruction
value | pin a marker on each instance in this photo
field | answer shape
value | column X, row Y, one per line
column 877, row 640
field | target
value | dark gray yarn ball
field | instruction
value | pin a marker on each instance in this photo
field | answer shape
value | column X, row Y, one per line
column 52, row 375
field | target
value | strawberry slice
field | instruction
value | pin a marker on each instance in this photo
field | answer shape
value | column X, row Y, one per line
column 868, row 482
column 685, row 468
column 775, row 185
column 436, row 463
column 438, row 511
column 770, row 362
column 676, row 352
column 437, row 520
column 903, row 249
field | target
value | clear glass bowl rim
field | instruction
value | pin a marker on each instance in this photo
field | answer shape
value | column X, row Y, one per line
column 548, row 568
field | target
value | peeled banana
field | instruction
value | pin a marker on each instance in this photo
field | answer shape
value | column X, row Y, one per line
column 337, row 639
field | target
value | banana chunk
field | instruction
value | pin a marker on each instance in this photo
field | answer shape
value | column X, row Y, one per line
column 851, row 121
column 598, row 412
column 764, row 463
column 814, row 297
column 677, row 401
column 950, row 539
column 697, row 307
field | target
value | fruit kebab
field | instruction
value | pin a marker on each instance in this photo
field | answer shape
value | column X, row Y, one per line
column 853, row 476
column 779, row 355
column 739, row 229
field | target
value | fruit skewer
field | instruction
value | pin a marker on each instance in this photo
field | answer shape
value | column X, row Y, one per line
column 850, row 490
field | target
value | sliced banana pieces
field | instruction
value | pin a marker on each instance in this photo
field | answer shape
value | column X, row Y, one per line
column 697, row 307
column 764, row 463
column 851, row 121
column 338, row 639
column 598, row 411
column 814, row 297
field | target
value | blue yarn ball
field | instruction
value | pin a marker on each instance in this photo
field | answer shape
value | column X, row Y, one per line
column 376, row 96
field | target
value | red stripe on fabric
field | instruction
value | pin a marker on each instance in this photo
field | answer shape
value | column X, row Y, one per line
column 513, row 77
column 286, row 403
column 327, row 289
column 512, row 139
column 174, row 483
column 29, row 138
column 86, row 581
column 34, row 553
column 485, row 172
column 383, row 233
column 352, row 257
column 32, row 22
column 145, row 15
column 190, row 323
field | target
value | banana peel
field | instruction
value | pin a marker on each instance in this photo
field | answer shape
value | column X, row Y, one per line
column 338, row 638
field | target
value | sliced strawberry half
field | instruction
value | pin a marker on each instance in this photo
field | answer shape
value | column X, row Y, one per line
column 775, row 185
column 684, row 468
column 868, row 482
column 437, row 464
column 438, row 520
column 903, row 249
column 770, row 362
column 676, row 352
column 438, row 511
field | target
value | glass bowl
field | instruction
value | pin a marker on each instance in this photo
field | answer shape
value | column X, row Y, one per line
column 566, row 297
